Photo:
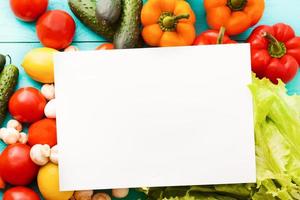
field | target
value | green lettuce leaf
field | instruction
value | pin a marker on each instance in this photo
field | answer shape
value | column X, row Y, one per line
column 222, row 192
column 277, row 137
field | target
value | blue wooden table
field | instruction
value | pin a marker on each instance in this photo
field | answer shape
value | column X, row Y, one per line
column 17, row 37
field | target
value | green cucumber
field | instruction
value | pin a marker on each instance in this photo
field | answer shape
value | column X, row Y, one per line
column 85, row 10
column 128, row 32
column 2, row 61
column 108, row 10
column 8, row 81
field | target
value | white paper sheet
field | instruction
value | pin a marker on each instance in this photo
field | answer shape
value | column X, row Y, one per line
column 155, row 117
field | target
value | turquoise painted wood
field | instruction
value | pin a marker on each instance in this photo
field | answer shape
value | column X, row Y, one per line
column 17, row 38
column 293, row 87
column 13, row 30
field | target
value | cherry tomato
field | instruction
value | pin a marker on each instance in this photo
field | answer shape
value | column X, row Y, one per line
column 42, row 132
column 27, row 105
column 105, row 46
column 28, row 10
column 20, row 193
column 56, row 29
column 16, row 166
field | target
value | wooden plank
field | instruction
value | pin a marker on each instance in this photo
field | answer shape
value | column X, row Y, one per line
column 14, row 30
column 293, row 87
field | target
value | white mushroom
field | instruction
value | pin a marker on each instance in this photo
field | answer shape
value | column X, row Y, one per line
column 71, row 48
column 14, row 124
column 2, row 130
column 23, row 138
column 83, row 195
column 120, row 193
column 101, row 196
column 54, row 154
column 10, row 135
column 50, row 109
column 40, row 154
column 48, row 91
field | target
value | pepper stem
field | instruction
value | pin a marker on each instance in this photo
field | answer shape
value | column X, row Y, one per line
column 237, row 5
column 276, row 49
column 221, row 35
column 168, row 21
column 8, row 58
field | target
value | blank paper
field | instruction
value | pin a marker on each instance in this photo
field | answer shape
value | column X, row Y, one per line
column 155, row 117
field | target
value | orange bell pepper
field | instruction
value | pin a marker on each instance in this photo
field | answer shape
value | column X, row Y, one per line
column 168, row 23
column 235, row 15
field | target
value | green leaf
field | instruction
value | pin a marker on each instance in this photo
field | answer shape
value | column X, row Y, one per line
column 277, row 137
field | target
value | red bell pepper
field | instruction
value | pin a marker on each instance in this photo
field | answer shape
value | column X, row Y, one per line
column 211, row 37
column 275, row 52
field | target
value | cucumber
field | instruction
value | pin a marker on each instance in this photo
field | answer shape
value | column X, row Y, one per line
column 8, row 81
column 2, row 62
column 108, row 10
column 85, row 10
column 128, row 32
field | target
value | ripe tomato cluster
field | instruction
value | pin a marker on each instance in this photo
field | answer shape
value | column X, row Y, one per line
column 55, row 28
column 17, row 167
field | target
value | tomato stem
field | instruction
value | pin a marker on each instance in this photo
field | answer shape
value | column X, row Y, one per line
column 276, row 49
column 237, row 5
column 168, row 21
column 221, row 35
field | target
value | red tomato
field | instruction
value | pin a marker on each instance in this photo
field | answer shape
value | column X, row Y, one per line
column 105, row 46
column 56, row 29
column 27, row 105
column 16, row 166
column 20, row 193
column 28, row 10
column 42, row 132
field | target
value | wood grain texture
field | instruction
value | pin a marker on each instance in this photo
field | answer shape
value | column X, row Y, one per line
column 17, row 31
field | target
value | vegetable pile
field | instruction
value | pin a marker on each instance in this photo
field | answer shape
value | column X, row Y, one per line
column 277, row 138
column 275, row 54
